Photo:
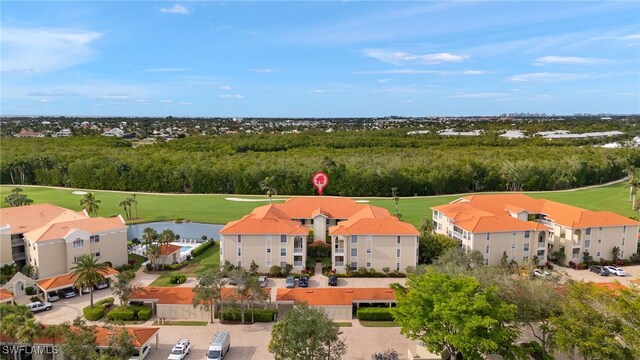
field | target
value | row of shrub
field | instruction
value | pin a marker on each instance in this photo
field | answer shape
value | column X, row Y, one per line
column 178, row 279
column 584, row 265
column 202, row 248
column 259, row 315
column 374, row 314
column 129, row 313
column 125, row 267
column 98, row 310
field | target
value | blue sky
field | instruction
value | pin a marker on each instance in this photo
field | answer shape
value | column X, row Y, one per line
column 319, row 59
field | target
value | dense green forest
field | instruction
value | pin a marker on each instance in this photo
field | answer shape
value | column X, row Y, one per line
column 359, row 163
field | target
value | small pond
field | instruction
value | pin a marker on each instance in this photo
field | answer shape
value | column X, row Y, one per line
column 186, row 230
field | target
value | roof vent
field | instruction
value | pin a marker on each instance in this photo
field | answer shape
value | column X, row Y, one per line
column 309, row 291
column 349, row 291
column 388, row 291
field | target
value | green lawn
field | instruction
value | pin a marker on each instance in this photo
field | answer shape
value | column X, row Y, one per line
column 344, row 324
column 209, row 259
column 379, row 323
column 182, row 323
column 216, row 210
column 139, row 261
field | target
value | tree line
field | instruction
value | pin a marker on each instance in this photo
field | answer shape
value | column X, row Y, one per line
column 358, row 163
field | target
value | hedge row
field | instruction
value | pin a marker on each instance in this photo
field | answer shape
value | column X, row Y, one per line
column 200, row 249
column 259, row 315
column 129, row 313
column 178, row 278
column 374, row 314
column 93, row 313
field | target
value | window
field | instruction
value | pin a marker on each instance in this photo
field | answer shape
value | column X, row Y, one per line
column 588, row 232
column 78, row 243
column 600, row 229
column 268, row 263
column 525, row 259
column 368, row 251
column 598, row 254
column 488, row 236
column 368, row 265
column 599, row 241
column 268, row 250
column 239, row 263
column 96, row 254
column 513, row 246
column 283, row 264
column 622, row 241
column 283, row 252
column 354, row 252
column 622, row 254
column 439, row 226
column 514, row 233
column 239, row 239
column 527, row 234
column 397, row 252
column 526, row 247
column 576, row 253
column 398, row 266
column 239, row 251
column 75, row 258
column 283, row 238
column 354, row 264
column 94, row 238
column 311, row 221
column 354, row 239
column 486, row 261
column 487, row 250
column 624, row 229
column 587, row 243
column 398, row 240
column 540, row 253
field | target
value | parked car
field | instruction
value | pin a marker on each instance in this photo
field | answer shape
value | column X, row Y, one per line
column 616, row 270
column 140, row 354
column 219, row 346
column 541, row 274
column 52, row 296
column 304, row 281
column 39, row 306
column 600, row 270
column 86, row 290
column 101, row 285
column 67, row 293
column 232, row 281
column 333, row 280
column 262, row 280
column 180, row 350
column 291, row 282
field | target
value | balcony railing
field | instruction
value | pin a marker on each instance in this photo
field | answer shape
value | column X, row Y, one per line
column 298, row 263
column 298, row 250
column 339, row 263
column 18, row 256
column 541, row 244
column 457, row 235
column 339, row 250
column 17, row 242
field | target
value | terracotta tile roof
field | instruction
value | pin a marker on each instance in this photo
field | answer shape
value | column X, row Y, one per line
column 334, row 296
column 168, row 249
column 66, row 280
column 178, row 295
column 5, row 294
column 490, row 213
column 613, row 286
column 27, row 218
column 59, row 230
column 279, row 218
column 139, row 335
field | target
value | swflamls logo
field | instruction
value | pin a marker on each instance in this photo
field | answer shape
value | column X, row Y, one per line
column 29, row 350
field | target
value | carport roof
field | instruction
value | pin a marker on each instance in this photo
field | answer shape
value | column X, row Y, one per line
column 66, row 280
column 139, row 335
column 177, row 295
column 5, row 295
column 335, row 296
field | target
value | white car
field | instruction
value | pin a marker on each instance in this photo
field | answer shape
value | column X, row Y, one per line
column 541, row 274
column 39, row 306
column 616, row 270
column 180, row 350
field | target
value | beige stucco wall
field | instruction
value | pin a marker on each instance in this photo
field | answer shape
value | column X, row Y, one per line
column 320, row 228
column 383, row 252
column 600, row 242
column 49, row 257
column 254, row 247
column 5, row 246
column 168, row 259
column 338, row 312
column 513, row 242
column 181, row 312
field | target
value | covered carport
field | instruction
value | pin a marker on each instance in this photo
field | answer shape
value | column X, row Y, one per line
column 60, row 282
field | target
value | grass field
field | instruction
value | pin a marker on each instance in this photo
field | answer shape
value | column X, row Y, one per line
column 216, row 210
column 209, row 259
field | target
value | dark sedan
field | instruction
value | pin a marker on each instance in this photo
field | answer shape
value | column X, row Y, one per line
column 600, row 270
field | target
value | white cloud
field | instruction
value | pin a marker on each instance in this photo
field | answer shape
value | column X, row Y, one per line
column 54, row 92
column 225, row 87
column 473, row 72
column 160, row 70
column 407, row 71
column 567, row 60
column 176, row 9
column 384, row 81
column 318, row 91
column 265, row 70
column 166, row 101
column 543, row 96
column 39, row 50
column 43, row 101
column 401, row 57
column 186, row 103
column 478, row 95
column 117, row 97
column 231, row 96
column 547, row 77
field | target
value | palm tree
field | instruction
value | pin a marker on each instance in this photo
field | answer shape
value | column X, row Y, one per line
column 88, row 272
column 633, row 183
column 267, row 184
column 396, row 198
column 56, row 331
column 167, row 236
column 28, row 331
column 9, row 326
column 126, row 205
column 89, row 203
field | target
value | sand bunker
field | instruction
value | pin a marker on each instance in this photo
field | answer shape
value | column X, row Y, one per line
column 250, row 200
column 362, row 201
column 78, row 192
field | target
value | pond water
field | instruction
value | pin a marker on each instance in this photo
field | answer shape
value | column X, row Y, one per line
column 186, row 230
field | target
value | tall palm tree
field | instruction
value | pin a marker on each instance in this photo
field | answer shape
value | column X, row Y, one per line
column 268, row 185
column 126, row 204
column 149, row 235
column 396, row 198
column 56, row 331
column 10, row 325
column 633, row 183
column 167, row 236
column 28, row 331
column 88, row 272
column 90, row 203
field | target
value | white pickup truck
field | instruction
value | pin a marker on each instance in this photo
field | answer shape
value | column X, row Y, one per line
column 180, row 350
column 39, row 306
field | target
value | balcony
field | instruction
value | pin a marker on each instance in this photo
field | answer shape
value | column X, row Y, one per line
column 17, row 242
column 18, row 256
column 339, row 250
column 457, row 235
column 339, row 263
column 541, row 244
column 298, row 250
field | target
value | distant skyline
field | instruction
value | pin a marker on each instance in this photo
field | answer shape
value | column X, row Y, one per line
column 319, row 59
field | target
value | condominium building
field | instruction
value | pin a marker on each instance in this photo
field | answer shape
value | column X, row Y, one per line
column 50, row 238
column 524, row 227
column 361, row 235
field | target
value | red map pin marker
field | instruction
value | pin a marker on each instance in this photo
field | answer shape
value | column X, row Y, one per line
column 320, row 181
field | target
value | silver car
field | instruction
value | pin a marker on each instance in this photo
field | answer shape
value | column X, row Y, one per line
column 262, row 280
column 616, row 270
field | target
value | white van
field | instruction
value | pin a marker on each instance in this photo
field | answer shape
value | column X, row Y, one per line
column 219, row 346
column 141, row 353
